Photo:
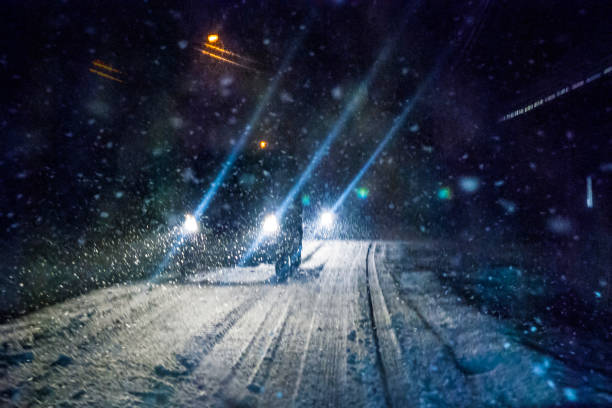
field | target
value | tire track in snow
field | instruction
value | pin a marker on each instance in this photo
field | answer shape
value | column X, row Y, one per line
column 240, row 381
column 325, row 355
column 205, row 344
column 384, row 315
column 401, row 351
column 257, row 337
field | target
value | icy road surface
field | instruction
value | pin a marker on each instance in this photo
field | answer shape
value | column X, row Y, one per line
column 364, row 324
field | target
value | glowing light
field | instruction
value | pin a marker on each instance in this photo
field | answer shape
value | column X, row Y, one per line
column 107, row 67
column 570, row 394
column 544, row 99
column 326, row 220
column 469, row 184
column 589, row 195
column 229, row 61
column 508, row 205
column 305, row 200
column 270, row 225
column 228, row 52
column 445, row 193
column 212, row 38
column 227, row 165
column 362, row 192
column 263, row 103
column 190, row 225
column 104, row 75
column 355, row 102
column 263, row 144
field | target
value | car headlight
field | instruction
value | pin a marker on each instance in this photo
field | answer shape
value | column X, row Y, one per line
column 190, row 226
column 326, row 220
column 270, row 225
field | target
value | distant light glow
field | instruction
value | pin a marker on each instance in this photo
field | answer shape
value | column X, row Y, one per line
column 555, row 94
column 589, row 192
column 445, row 193
column 107, row 67
column 104, row 75
column 270, row 225
column 228, row 52
column 362, row 192
column 263, row 144
column 305, row 200
column 469, row 184
column 560, row 225
column 100, row 67
column 508, row 205
column 229, row 61
column 190, row 225
column 212, row 38
column 326, row 220
column 570, row 394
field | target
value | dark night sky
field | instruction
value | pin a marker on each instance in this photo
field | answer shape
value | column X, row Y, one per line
column 77, row 145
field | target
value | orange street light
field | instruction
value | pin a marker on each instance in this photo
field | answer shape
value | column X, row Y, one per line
column 263, row 144
column 212, row 38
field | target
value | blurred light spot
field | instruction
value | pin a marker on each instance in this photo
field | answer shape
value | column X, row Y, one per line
column 190, row 225
column 597, row 294
column 263, row 144
column 444, row 193
column 427, row 149
column 326, row 219
column 270, row 224
column 589, row 192
column 176, row 122
column 570, row 394
column 362, row 192
column 559, row 225
column 538, row 370
column 469, row 184
column 414, row 128
column 508, row 205
column 212, row 38
column 306, row 200
column 336, row 92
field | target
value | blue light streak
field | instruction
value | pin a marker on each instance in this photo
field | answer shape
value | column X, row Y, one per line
column 397, row 124
column 263, row 103
column 235, row 152
column 355, row 102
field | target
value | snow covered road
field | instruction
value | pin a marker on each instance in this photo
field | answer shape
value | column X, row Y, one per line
column 363, row 324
